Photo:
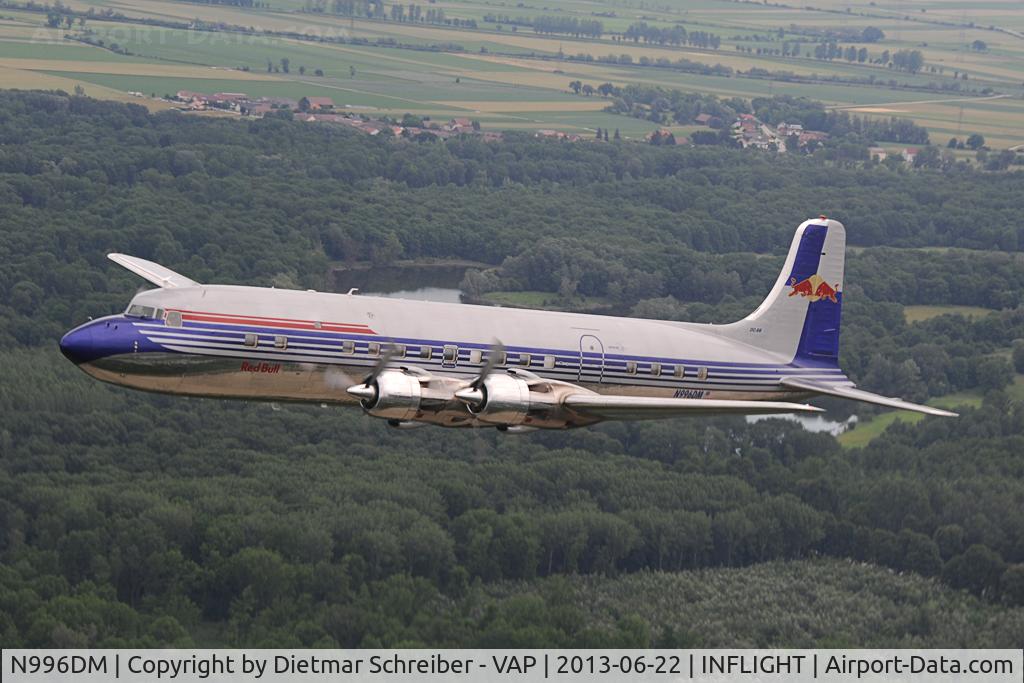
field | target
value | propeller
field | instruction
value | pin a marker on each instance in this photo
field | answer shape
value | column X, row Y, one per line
column 367, row 391
column 474, row 393
column 385, row 359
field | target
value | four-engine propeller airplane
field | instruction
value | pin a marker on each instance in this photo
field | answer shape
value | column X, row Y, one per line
column 416, row 363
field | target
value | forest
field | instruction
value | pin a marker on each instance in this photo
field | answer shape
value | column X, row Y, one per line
column 142, row 520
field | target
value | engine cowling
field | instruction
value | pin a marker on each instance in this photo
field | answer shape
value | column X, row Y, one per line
column 393, row 395
column 502, row 400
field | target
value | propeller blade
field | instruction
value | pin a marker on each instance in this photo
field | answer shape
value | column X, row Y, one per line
column 494, row 354
column 385, row 359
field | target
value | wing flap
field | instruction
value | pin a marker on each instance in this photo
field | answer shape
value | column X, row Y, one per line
column 154, row 272
column 644, row 407
column 855, row 394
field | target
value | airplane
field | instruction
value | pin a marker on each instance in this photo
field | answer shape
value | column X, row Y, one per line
column 415, row 363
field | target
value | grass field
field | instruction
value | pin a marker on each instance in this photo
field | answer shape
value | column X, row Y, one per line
column 914, row 314
column 500, row 63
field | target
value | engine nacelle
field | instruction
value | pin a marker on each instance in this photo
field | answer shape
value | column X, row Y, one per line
column 505, row 400
column 393, row 395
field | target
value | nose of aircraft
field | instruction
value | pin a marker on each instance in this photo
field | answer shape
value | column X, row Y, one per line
column 77, row 345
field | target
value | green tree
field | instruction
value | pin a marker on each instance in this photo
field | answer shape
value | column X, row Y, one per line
column 1011, row 585
column 1018, row 355
column 978, row 570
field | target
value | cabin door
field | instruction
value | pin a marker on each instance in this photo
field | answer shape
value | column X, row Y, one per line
column 591, row 368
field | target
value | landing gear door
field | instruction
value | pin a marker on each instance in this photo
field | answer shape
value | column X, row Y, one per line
column 591, row 367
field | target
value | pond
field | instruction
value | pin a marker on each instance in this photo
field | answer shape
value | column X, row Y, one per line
column 812, row 423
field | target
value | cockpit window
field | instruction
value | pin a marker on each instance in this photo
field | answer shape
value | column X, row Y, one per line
column 139, row 311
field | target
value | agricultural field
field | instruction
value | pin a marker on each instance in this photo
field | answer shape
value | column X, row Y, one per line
column 486, row 61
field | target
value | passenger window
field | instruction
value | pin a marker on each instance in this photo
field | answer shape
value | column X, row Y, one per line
column 251, row 339
column 501, row 358
column 702, row 374
column 281, row 342
column 680, row 371
column 174, row 319
column 451, row 354
column 399, row 350
column 476, row 356
column 631, row 367
column 549, row 362
column 656, row 369
column 426, row 352
column 524, row 360
column 348, row 346
column 373, row 349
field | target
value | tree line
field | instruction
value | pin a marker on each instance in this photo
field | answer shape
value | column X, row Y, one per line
column 134, row 519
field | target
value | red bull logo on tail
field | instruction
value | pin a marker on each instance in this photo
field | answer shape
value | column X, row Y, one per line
column 814, row 288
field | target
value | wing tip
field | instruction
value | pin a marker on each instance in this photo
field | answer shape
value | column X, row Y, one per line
column 940, row 412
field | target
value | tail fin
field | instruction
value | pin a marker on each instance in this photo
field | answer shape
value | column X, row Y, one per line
column 799, row 319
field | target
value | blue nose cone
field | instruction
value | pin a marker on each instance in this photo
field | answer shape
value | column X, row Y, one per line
column 77, row 345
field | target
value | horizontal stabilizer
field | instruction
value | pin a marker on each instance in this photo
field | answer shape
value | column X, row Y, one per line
column 859, row 395
column 643, row 407
column 154, row 272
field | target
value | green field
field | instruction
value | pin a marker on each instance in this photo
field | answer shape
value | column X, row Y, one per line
column 867, row 430
column 914, row 314
column 500, row 65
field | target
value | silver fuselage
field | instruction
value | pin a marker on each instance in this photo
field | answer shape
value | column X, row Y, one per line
column 285, row 345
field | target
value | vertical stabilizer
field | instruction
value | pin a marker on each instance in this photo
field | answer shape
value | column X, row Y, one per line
column 799, row 319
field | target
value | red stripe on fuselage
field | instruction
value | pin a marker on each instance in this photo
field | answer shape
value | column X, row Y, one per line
column 287, row 323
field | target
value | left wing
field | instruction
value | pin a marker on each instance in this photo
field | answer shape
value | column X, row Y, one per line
column 860, row 395
column 644, row 407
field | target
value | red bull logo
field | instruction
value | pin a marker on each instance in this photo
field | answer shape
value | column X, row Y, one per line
column 814, row 288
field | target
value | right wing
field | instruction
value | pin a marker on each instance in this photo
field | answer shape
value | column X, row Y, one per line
column 154, row 272
column 644, row 407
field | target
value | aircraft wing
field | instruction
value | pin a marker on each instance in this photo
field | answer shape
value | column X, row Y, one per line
column 154, row 272
column 860, row 395
column 644, row 408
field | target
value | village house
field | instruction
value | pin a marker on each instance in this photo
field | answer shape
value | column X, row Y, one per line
column 786, row 129
column 319, row 103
